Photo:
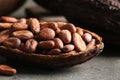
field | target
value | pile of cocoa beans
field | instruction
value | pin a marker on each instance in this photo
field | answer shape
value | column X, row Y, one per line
column 49, row 38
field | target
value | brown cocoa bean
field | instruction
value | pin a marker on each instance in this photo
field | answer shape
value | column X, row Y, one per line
column 23, row 34
column 12, row 42
column 55, row 51
column 30, row 45
column 87, row 37
column 68, row 48
column 65, row 36
column 23, row 20
column 58, row 43
column 79, row 31
column 22, row 46
column 46, row 44
column 46, row 34
column 52, row 25
column 7, row 70
column 91, row 44
column 4, row 35
column 19, row 26
column 78, row 42
column 5, row 25
column 34, row 25
column 60, row 24
column 8, row 19
column 69, row 27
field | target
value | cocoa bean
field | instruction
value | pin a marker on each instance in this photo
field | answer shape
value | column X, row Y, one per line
column 19, row 26
column 8, row 19
column 69, row 27
column 65, row 36
column 46, row 44
column 68, row 48
column 30, row 45
column 7, row 70
column 78, row 42
column 87, row 37
column 12, row 42
column 34, row 25
column 46, row 34
column 58, row 43
column 23, row 34
column 5, row 25
column 4, row 35
column 55, row 51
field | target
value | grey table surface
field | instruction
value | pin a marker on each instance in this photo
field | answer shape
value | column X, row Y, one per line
column 98, row 68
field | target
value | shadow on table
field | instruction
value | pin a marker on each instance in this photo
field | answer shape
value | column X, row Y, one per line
column 36, row 70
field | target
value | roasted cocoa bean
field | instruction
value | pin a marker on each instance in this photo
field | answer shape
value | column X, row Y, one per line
column 8, row 19
column 30, row 45
column 34, row 25
column 7, row 70
column 4, row 35
column 79, row 31
column 46, row 34
column 78, row 42
column 58, row 43
column 23, row 20
column 68, row 48
column 91, row 44
column 65, row 36
column 52, row 25
column 19, row 26
column 60, row 24
column 46, row 44
column 12, row 42
column 69, row 27
column 5, row 25
column 87, row 37
column 55, row 51
column 23, row 34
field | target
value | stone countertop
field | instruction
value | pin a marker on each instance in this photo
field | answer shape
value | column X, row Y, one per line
column 99, row 68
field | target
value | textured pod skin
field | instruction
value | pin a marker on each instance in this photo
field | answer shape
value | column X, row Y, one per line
column 53, row 61
column 96, row 15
